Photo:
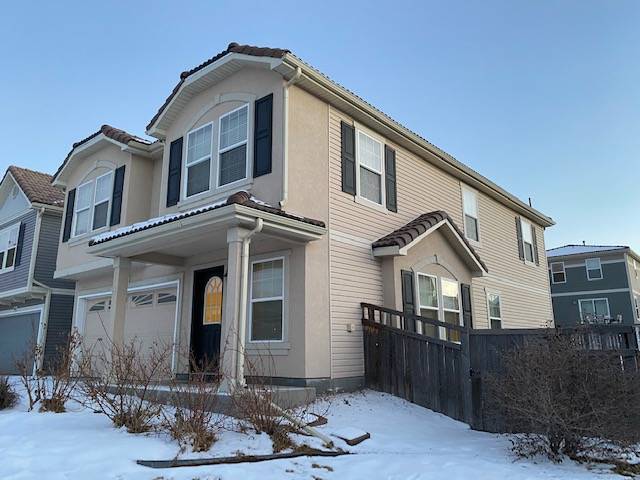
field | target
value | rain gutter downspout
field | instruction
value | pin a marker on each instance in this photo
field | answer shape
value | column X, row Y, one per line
column 285, row 135
column 242, row 310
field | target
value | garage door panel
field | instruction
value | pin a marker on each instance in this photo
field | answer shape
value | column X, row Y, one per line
column 18, row 336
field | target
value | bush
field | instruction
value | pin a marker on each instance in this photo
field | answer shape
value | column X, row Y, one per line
column 192, row 422
column 118, row 381
column 54, row 384
column 566, row 400
column 8, row 395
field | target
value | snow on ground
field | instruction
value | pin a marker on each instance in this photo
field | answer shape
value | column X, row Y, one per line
column 407, row 442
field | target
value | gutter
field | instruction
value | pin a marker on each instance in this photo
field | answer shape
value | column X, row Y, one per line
column 460, row 170
column 285, row 135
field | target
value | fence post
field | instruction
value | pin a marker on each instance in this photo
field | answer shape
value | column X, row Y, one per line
column 466, row 376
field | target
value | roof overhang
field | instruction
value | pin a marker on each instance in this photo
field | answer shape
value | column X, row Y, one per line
column 203, row 79
column 325, row 88
column 448, row 230
column 172, row 242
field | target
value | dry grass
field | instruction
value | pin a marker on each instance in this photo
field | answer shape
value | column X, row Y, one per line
column 8, row 395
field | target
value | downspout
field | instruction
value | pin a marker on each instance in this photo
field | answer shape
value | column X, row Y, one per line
column 34, row 246
column 285, row 135
column 242, row 310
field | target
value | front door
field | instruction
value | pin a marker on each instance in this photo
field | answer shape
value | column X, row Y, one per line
column 206, row 317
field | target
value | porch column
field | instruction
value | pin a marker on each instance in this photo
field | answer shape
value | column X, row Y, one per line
column 230, row 324
column 121, row 270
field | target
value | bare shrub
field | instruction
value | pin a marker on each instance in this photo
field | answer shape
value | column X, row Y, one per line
column 54, row 384
column 256, row 405
column 192, row 423
column 566, row 400
column 8, row 395
column 118, row 381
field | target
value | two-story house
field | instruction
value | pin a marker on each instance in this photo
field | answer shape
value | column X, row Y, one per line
column 594, row 284
column 35, row 308
column 271, row 204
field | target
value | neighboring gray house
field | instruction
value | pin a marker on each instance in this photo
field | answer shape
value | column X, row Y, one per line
column 34, row 307
column 594, row 284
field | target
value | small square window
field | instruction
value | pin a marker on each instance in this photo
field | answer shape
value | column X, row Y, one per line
column 558, row 273
column 594, row 268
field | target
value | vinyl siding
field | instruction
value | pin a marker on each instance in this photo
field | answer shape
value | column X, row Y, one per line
column 48, row 252
column 19, row 276
column 356, row 276
column 58, row 326
column 567, row 311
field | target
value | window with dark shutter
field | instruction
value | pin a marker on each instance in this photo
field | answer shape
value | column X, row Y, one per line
column 68, row 215
column 408, row 298
column 175, row 172
column 348, row 158
column 116, row 197
column 262, row 143
column 390, row 178
column 18, row 253
column 519, row 235
column 535, row 245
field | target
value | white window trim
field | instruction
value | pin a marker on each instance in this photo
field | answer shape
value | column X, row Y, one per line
column 109, row 201
column 564, row 272
column 427, row 307
column 91, row 208
column 231, row 147
column 186, row 166
column 636, row 300
column 473, row 241
column 489, row 316
column 283, row 297
column 593, row 300
column 440, row 299
column 443, row 330
column 586, row 267
column 359, row 198
column 9, row 229
column 523, row 225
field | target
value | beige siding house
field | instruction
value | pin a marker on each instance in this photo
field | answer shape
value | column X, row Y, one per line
column 269, row 205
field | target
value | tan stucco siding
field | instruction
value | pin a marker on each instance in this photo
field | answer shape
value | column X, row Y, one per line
column 356, row 276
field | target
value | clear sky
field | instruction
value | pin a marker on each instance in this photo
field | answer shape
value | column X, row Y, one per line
column 542, row 97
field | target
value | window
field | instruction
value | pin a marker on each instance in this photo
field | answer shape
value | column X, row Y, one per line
column 558, row 273
column 495, row 310
column 100, row 306
column 8, row 247
column 594, row 268
column 451, row 307
column 428, row 302
column 93, row 202
column 165, row 298
column 141, row 300
column 470, row 207
column 212, row 312
column 267, row 300
column 370, row 164
column 637, row 305
column 232, row 146
column 198, row 163
column 527, row 240
column 594, row 309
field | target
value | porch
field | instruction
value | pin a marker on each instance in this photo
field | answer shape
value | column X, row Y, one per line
column 238, row 271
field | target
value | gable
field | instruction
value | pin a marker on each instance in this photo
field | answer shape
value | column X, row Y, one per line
column 13, row 201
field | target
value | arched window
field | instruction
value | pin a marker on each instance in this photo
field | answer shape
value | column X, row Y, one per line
column 212, row 313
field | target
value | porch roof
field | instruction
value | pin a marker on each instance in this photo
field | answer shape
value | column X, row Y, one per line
column 403, row 238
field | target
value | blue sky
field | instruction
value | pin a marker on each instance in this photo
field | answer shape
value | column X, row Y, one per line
column 543, row 97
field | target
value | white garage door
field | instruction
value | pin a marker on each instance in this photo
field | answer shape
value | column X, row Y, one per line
column 150, row 319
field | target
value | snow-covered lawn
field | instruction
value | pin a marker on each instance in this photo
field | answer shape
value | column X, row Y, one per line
column 407, row 442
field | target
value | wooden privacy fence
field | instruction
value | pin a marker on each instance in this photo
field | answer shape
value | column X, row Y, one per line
column 447, row 376
column 427, row 371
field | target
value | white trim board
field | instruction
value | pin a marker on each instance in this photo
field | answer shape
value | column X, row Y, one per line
column 590, row 292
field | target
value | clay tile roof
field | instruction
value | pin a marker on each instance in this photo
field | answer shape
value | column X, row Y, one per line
column 231, row 48
column 412, row 230
column 37, row 186
column 238, row 198
column 108, row 131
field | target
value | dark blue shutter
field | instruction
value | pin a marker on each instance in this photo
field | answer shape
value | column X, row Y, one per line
column 175, row 172
column 19, row 244
column 390, row 178
column 348, row 135
column 536, row 258
column 116, row 197
column 408, row 298
column 519, row 235
column 262, row 133
column 68, row 215
column 466, row 305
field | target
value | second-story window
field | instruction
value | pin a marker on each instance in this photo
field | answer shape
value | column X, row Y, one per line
column 369, row 158
column 558, row 273
column 93, row 201
column 8, row 247
column 470, row 207
column 594, row 268
column 527, row 240
column 232, row 146
column 198, row 164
